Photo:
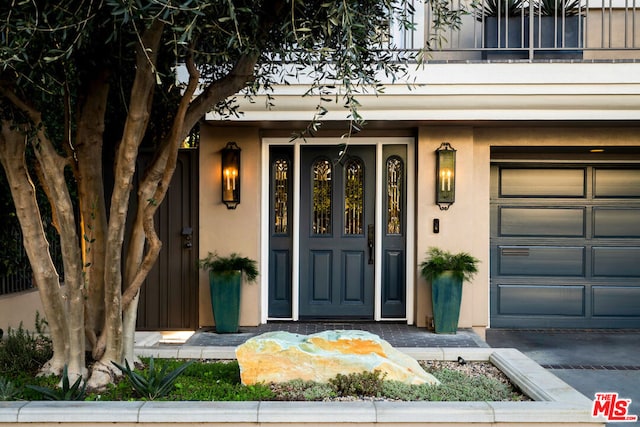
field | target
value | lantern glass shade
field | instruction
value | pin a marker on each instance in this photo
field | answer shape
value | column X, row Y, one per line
column 231, row 175
column 445, row 176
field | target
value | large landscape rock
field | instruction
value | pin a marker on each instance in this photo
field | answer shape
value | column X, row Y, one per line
column 283, row 356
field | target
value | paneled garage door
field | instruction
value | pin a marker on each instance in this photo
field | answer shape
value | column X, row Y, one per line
column 565, row 245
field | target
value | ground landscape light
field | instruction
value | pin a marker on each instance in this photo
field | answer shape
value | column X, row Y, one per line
column 445, row 176
column 231, row 175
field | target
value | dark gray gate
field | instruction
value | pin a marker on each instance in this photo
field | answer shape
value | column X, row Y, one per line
column 565, row 246
column 169, row 296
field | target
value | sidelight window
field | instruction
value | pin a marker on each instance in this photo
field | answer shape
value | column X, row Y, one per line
column 394, row 195
column 281, row 196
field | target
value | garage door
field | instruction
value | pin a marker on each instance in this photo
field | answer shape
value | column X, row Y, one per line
column 565, row 246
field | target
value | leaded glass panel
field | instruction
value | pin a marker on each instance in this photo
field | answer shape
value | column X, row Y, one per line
column 281, row 196
column 354, row 197
column 322, row 197
column 394, row 195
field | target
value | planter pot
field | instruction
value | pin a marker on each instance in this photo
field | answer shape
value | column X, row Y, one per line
column 225, row 300
column 446, row 295
column 555, row 32
column 505, row 34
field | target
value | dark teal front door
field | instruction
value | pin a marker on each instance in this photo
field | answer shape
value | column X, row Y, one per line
column 337, row 213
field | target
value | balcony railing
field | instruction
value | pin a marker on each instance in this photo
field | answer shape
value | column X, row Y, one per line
column 532, row 29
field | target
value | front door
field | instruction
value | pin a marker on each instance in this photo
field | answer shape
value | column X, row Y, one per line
column 337, row 230
column 337, row 213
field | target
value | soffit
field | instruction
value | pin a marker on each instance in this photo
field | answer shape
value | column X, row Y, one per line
column 478, row 92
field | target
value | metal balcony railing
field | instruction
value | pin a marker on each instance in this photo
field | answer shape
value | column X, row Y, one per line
column 531, row 29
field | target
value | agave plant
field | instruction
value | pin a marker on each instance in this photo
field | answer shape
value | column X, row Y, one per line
column 8, row 391
column 502, row 8
column 67, row 391
column 557, row 7
column 154, row 383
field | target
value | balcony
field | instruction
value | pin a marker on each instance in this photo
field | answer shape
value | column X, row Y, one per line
column 551, row 30
column 512, row 66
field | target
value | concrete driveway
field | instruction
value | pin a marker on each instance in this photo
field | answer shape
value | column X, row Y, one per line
column 590, row 361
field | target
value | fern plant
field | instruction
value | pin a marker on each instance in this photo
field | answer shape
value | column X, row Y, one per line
column 68, row 391
column 462, row 264
column 229, row 264
column 152, row 383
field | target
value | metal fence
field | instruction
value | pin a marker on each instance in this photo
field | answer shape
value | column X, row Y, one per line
column 15, row 270
column 530, row 29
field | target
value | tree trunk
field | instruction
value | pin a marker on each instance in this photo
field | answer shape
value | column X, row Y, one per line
column 110, row 344
column 93, row 214
column 130, row 316
column 12, row 157
column 52, row 167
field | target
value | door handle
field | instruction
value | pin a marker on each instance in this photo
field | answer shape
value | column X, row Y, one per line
column 187, row 235
column 371, row 238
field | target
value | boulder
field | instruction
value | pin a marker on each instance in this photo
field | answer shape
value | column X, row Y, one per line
column 282, row 356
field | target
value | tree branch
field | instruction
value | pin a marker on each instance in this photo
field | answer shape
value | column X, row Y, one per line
column 241, row 73
column 159, row 177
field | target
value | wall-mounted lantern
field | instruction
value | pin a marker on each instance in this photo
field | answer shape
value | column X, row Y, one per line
column 231, row 175
column 445, row 176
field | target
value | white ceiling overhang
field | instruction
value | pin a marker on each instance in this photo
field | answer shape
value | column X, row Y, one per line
column 478, row 91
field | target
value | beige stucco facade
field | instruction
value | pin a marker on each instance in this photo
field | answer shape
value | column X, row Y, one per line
column 225, row 230
column 20, row 309
column 464, row 227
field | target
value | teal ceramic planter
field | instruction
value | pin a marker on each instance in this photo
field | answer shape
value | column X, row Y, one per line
column 446, row 296
column 225, row 300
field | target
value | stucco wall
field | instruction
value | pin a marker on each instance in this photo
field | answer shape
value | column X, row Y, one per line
column 569, row 135
column 20, row 307
column 225, row 230
column 463, row 227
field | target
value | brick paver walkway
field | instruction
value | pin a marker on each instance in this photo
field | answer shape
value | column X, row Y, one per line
column 397, row 334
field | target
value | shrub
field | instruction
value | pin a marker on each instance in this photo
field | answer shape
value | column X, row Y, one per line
column 214, row 381
column 302, row 390
column 223, row 391
column 24, row 352
column 455, row 386
column 359, row 384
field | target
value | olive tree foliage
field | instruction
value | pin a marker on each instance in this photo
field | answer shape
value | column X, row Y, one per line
column 82, row 78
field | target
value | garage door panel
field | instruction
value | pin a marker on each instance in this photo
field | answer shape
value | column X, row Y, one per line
column 608, row 222
column 541, row 300
column 565, row 244
column 616, row 182
column 616, row 301
column 526, row 182
column 542, row 222
column 541, row 261
column 616, row 261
